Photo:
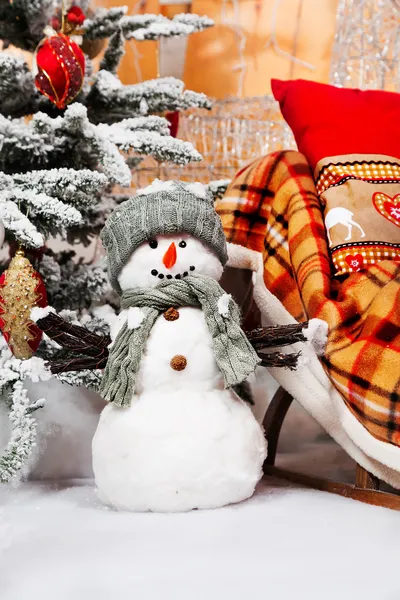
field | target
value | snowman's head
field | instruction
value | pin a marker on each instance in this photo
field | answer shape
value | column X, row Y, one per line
column 168, row 229
column 169, row 257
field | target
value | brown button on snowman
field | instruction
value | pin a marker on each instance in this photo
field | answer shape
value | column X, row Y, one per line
column 174, row 435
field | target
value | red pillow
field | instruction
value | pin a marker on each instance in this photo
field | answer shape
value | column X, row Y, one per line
column 331, row 121
column 351, row 139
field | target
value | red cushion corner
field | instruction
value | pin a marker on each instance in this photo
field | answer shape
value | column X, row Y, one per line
column 330, row 121
column 279, row 89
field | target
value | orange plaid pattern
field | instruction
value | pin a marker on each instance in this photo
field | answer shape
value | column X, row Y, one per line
column 272, row 206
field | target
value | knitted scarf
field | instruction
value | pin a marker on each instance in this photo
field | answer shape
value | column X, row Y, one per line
column 233, row 353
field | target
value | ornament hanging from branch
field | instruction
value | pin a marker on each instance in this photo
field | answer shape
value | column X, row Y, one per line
column 21, row 289
column 173, row 119
column 59, row 61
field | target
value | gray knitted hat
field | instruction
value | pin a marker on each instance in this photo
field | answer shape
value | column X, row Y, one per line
column 162, row 208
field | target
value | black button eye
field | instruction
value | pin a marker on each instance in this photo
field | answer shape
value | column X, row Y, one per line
column 153, row 244
column 182, row 244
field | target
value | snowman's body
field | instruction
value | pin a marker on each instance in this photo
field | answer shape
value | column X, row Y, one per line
column 185, row 442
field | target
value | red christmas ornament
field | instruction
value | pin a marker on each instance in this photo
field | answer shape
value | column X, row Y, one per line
column 75, row 16
column 173, row 118
column 55, row 23
column 61, row 69
column 21, row 289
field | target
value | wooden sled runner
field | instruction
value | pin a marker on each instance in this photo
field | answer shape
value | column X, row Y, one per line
column 366, row 487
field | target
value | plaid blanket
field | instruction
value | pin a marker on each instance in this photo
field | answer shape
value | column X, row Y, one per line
column 272, row 207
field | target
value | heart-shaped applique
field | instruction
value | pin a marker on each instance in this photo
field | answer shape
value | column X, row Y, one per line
column 355, row 261
column 388, row 207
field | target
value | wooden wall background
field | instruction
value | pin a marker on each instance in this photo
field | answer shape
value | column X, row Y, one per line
column 305, row 28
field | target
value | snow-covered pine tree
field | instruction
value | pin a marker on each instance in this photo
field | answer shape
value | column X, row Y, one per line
column 58, row 169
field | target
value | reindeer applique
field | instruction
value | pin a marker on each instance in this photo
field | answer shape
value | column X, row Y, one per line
column 341, row 216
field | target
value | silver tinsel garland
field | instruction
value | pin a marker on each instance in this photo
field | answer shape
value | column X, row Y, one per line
column 366, row 50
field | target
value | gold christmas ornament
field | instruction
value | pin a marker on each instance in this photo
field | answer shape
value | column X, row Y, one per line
column 21, row 289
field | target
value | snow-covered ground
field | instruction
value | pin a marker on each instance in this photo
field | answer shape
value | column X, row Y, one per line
column 58, row 542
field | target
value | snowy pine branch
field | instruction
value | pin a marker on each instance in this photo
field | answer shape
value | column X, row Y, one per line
column 75, row 122
column 143, row 27
column 17, row 88
column 114, row 53
column 150, row 123
column 110, row 100
column 22, row 22
column 22, row 146
column 160, row 26
column 13, row 372
column 77, row 188
column 218, row 187
column 67, row 141
column 89, row 378
column 151, row 143
column 72, row 285
column 196, row 22
column 19, row 225
column 54, row 214
column 104, row 23
column 46, row 202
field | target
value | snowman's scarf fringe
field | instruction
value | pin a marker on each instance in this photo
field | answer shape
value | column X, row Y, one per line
column 233, row 352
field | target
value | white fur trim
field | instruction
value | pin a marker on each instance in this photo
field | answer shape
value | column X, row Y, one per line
column 223, row 305
column 135, row 317
column 311, row 387
column 40, row 313
column 317, row 334
column 303, row 361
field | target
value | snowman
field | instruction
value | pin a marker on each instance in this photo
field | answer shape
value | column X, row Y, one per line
column 174, row 435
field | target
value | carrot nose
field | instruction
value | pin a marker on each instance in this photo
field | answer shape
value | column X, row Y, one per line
column 169, row 258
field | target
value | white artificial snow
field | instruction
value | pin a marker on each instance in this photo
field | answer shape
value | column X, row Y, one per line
column 151, row 143
column 108, row 81
column 65, row 428
column 135, row 317
column 155, row 95
column 156, row 186
column 40, row 313
column 35, row 369
column 157, row 30
column 196, row 21
column 105, row 313
column 112, row 161
column 223, row 305
column 143, row 107
column 198, row 189
column 156, row 26
column 149, row 26
column 149, row 123
column 217, row 183
column 317, row 334
column 21, row 430
column 41, row 204
column 78, row 188
column 58, row 541
column 14, row 220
